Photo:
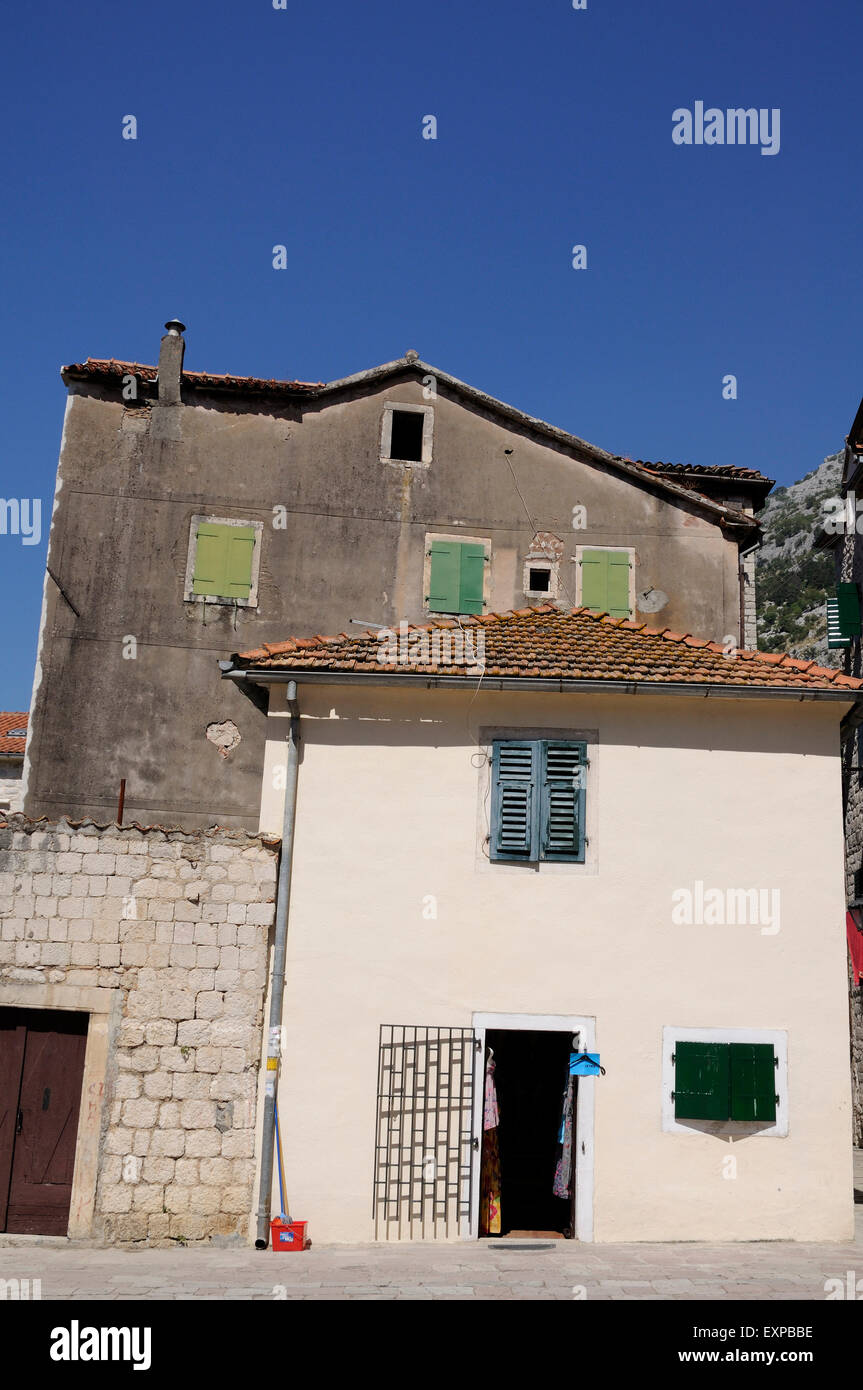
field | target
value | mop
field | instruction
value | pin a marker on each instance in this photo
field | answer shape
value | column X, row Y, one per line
column 283, row 1213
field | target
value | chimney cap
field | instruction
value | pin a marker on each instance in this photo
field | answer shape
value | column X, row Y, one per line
column 175, row 327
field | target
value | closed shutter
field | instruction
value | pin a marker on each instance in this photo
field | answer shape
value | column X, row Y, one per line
column 515, row 804
column 753, row 1081
column 701, row 1081
column 223, row 560
column 605, row 581
column 564, row 769
column 444, row 582
column 471, row 578
column 457, row 578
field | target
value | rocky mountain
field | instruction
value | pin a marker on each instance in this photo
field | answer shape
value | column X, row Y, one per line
column 792, row 580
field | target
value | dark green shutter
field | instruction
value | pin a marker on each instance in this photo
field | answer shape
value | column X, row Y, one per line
column 605, row 581
column 564, row 767
column 457, row 577
column 843, row 615
column 753, row 1081
column 702, row 1089
column 514, row 808
column 223, row 560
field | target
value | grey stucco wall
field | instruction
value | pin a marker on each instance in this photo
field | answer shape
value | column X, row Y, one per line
column 130, row 481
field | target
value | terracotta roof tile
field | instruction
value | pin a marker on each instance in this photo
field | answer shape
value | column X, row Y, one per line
column 111, row 371
column 548, row 643
column 10, row 723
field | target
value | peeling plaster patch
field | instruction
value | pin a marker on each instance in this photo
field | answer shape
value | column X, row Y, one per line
column 225, row 736
column 651, row 600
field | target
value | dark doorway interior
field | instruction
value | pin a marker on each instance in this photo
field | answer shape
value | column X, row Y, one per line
column 531, row 1072
column 41, row 1073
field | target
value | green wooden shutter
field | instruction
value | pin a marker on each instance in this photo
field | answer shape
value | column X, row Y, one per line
column 241, row 546
column 843, row 615
column 515, row 803
column 444, row 583
column 471, row 578
column 457, row 577
column 223, row 560
column 594, row 578
column 753, row 1081
column 617, row 595
column 702, row 1088
column 605, row 581
column 564, row 767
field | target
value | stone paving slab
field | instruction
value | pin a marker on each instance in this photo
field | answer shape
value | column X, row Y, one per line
column 431, row 1271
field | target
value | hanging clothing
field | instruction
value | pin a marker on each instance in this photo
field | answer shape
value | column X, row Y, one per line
column 489, row 1203
column 855, row 948
column 563, row 1171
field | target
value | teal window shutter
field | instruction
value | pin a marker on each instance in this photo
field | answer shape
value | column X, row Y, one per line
column 515, row 802
column 702, row 1081
column 753, row 1081
column 457, row 577
column 564, row 769
column 843, row 615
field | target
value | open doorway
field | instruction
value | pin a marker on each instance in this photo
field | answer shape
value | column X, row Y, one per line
column 529, row 1157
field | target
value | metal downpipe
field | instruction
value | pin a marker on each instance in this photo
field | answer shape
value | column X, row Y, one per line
column 277, row 983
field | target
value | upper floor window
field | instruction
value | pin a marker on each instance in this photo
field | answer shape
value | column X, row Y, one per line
column 456, row 574
column 605, row 580
column 223, row 561
column 407, row 433
column 538, row 800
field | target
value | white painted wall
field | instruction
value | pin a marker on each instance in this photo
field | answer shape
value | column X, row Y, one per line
column 737, row 794
column 10, row 786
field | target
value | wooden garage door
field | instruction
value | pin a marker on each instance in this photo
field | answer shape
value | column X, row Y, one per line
column 41, row 1071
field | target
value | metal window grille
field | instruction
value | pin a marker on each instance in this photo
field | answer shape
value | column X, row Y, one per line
column 424, row 1148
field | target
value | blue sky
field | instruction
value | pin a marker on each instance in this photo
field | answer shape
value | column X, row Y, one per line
column 302, row 127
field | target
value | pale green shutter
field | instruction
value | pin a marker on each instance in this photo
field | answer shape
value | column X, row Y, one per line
column 223, row 560
column 605, row 581
column 457, row 577
column 471, row 578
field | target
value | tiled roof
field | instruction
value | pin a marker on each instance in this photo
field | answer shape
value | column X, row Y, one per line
column 111, row 371
column 545, row 642
column 8, row 723
column 705, row 470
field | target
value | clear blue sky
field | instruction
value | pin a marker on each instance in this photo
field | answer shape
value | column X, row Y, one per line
column 302, row 126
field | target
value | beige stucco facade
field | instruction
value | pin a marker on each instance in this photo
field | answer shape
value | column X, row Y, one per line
column 397, row 916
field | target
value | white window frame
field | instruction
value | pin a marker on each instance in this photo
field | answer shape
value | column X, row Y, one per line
column 585, row 1107
column 189, row 595
column 776, row 1037
column 553, row 570
column 427, row 411
column 620, row 549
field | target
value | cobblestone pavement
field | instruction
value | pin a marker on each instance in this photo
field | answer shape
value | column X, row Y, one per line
column 483, row 1269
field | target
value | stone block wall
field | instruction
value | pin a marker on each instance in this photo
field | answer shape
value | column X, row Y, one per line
column 176, row 926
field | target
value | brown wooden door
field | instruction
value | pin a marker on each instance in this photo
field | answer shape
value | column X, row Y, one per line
column 41, row 1072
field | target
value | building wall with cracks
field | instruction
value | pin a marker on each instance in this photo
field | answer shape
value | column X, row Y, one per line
column 161, row 937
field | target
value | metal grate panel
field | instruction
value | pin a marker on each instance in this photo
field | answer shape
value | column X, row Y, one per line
column 424, row 1148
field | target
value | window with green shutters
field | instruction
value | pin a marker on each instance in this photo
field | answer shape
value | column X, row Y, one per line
column 538, row 800
column 456, row 576
column 724, row 1081
column 843, row 615
column 222, row 560
column 605, row 581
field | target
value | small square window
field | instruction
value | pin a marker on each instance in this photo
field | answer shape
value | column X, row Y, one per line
column 539, row 580
column 223, row 561
column 406, row 440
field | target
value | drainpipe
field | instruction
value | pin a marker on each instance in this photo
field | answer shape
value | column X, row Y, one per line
column 277, row 983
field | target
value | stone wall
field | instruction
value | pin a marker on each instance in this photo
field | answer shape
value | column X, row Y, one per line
column 10, row 786
column 174, row 925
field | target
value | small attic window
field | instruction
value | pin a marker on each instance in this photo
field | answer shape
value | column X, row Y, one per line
column 406, row 441
column 539, row 580
column 15, row 733
column 406, row 433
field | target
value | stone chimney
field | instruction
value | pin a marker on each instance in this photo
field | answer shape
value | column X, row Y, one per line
column 171, row 363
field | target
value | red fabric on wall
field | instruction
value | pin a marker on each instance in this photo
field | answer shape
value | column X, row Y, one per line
column 855, row 947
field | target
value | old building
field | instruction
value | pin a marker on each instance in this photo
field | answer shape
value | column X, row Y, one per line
column 198, row 514
column 573, row 834
column 13, row 737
